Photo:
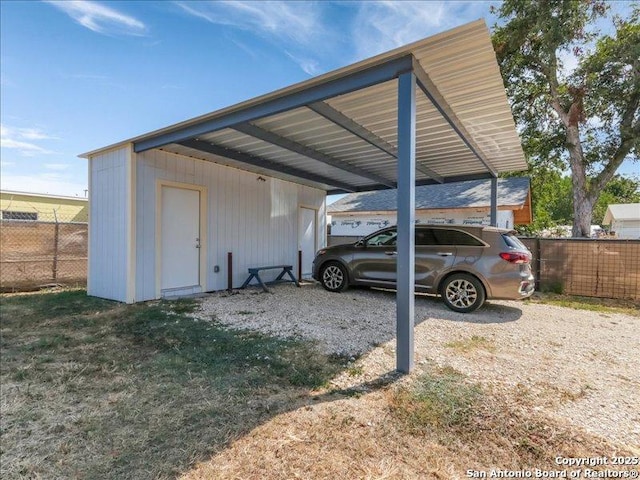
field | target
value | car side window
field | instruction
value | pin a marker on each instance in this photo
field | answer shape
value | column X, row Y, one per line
column 383, row 238
column 425, row 237
column 455, row 237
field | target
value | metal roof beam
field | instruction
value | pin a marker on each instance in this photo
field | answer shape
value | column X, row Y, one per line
column 207, row 147
column 331, row 88
column 340, row 119
column 419, row 183
column 283, row 142
column 437, row 99
column 430, row 173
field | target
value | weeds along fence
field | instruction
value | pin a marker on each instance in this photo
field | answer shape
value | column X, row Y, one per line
column 47, row 252
column 604, row 268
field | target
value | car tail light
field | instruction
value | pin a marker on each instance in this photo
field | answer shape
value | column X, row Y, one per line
column 516, row 257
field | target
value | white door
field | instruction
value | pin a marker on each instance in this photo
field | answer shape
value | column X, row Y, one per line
column 307, row 239
column 180, row 244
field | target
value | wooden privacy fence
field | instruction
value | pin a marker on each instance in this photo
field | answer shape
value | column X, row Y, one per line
column 34, row 254
column 587, row 267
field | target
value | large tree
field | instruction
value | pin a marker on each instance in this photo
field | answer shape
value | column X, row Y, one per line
column 584, row 119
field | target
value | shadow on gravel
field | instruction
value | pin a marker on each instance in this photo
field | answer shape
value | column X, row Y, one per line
column 489, row 313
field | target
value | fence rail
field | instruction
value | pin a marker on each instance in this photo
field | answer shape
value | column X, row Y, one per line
column 39, row 253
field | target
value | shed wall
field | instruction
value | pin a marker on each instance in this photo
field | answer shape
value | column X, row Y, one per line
column 108, row 225
column 256, row 220
column 626, row 228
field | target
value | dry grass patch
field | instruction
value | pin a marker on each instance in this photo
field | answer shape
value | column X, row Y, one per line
column 434, row 425
column 471, row 344
column 96, row 389
column 594, row 304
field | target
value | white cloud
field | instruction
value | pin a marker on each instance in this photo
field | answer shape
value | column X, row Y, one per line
column 53, row 184
column 100, row 18
column 382, row 26
column 296, row 26
column 22, row 140
column 297, row 21
column 57, row 166
column 308, row 65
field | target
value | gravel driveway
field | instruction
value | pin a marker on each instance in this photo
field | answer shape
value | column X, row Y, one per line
column 579, row 366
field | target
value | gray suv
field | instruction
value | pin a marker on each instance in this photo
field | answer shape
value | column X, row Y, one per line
column 465, row 265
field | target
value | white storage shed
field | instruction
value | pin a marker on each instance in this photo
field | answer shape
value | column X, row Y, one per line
column 624, row 220
column 166, row 207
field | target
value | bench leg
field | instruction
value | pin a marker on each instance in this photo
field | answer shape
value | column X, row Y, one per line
column 247, row 281
column 264, row 287
column 293, row 279
column 279, row 277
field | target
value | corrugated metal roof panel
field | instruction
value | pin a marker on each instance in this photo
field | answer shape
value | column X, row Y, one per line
column 460, row 64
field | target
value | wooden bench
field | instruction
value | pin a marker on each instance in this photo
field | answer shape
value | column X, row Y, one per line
column 255, row 273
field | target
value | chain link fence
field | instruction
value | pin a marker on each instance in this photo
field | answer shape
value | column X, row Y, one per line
column 49, row 251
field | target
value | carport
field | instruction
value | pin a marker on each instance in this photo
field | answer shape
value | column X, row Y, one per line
column 434, row 111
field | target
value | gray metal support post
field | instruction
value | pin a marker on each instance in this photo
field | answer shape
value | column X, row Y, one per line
column 494, row 202
column 405, row 245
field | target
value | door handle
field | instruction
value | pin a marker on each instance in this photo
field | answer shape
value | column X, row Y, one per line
column 197, row 243
column 390, row 253
column 445, row 254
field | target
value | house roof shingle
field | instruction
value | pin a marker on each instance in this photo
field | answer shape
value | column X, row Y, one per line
column 470, row 194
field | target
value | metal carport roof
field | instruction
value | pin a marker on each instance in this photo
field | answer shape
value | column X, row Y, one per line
column 433, row 111
column 338, row 131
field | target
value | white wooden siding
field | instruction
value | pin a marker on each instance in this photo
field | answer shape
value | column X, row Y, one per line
column 108, row 225
column 626, row 228
column 255, row 220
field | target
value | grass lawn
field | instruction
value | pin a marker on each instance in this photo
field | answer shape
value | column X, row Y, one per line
column 97, row 389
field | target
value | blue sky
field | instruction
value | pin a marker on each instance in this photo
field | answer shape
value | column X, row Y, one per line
column 76, row 76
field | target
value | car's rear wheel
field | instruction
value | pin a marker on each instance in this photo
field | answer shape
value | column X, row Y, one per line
column 333, row 277
column 463, row 293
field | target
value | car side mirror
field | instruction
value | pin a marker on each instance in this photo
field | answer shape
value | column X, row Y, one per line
column 361, row 243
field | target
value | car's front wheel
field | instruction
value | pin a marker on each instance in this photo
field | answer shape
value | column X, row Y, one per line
column 333, row 277
column 463, row 293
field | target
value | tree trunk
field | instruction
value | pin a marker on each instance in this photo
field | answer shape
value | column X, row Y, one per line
column 582, row 196
column 582, row 213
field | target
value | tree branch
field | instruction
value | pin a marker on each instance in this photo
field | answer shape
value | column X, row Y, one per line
column 551, row 72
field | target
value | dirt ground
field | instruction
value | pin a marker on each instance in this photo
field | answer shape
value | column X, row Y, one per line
column 579, row 366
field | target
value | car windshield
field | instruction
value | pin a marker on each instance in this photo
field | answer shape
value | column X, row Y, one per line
column 387, row 237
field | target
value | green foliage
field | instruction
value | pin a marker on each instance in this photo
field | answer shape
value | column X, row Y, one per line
column 585, row 121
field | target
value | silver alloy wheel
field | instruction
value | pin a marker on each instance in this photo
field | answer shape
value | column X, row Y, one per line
column 332, row 277
column 461, row 293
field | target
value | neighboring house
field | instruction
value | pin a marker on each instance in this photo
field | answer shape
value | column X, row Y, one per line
column 42, row 207
column 624, row 220
column 462, row 203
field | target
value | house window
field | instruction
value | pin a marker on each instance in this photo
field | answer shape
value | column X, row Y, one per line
column 28, row 216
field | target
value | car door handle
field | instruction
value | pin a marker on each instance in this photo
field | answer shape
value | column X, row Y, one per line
column 390, row 253
column 445, row 254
